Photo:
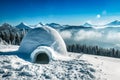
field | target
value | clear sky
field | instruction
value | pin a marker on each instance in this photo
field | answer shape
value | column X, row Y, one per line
column 74, row 12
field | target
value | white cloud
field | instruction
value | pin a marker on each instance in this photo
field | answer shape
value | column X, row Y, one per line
column 107, row 39
column 66, row 34
column 113, row 37
column 87, row 35
column 98, row 16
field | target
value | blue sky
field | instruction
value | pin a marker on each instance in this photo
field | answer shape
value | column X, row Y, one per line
column 74, row 12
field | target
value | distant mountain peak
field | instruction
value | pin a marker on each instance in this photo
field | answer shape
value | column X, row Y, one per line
column 22, row 25
column 41, row 23
column 54, row 25
column 116, row 22
column 6, row 25
column 87, row 24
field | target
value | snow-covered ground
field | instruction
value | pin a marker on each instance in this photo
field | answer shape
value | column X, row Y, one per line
column 107, row 68
column 81, row 67
column 6, row 48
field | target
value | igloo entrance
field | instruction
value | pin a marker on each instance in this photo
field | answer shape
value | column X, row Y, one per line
column 42, row 58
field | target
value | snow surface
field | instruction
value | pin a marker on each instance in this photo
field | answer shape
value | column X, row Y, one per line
column 108, row 67
column 42, row 36
column 80, row 67
column 15, row 68
column 6, row 48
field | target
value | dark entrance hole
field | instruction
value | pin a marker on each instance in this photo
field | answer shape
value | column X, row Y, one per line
column 42, row 58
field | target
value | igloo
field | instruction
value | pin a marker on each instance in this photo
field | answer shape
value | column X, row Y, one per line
column 41, row 45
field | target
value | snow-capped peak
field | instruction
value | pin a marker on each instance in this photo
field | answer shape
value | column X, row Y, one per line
column 5, row 24
column 87, row 24
column 54, row 25
column 116, row 22
column 22, row 25
column 39, row 25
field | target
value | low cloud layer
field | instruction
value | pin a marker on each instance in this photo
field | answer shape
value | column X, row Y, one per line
column 100, row 38
column 87, row 35
column 66, row 34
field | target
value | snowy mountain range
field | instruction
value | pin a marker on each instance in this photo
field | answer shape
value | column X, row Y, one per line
column 22, row 25
column 55, row 25
column 7, row 27
column 87, row 25
column 37, row 25
column 11, row 34
column 114, row 23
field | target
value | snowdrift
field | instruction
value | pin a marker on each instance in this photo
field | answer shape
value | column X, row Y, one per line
column 42, row 44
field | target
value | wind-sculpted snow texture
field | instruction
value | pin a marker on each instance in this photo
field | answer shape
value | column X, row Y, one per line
column 80, row 67
column 14, row 68
column 45, row 37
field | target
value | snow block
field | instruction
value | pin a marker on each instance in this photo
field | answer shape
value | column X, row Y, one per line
column 43, row 43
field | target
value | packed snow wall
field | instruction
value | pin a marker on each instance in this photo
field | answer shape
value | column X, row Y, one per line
column 42, row 45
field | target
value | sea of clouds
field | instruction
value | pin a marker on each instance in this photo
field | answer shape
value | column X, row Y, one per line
column 106, row 39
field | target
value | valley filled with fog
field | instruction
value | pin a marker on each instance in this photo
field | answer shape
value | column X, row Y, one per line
column 102, row 37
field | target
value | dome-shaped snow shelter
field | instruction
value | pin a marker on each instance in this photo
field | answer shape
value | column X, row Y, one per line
column 42, row 44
